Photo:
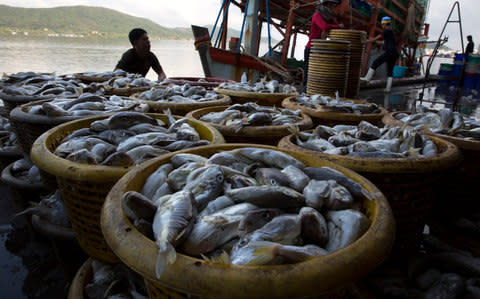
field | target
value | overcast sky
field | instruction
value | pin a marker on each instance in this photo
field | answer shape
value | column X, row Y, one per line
column 183, row 13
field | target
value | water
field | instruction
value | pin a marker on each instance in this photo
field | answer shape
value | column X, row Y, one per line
column 74, row 55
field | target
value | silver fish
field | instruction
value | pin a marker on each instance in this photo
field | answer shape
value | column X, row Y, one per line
column 256, row 219
column 269, row 157
column 171, row 225
column 268, row 196
column 124, row 120
column 314, row 227
column 271, row 176
column 137, row 206
column 207, row 186
column 216, row 205
column 156, row 179
column 344, row 228
column 297, row 178
column 142, row 153
column 119, row 159
column 214, row 230
column 316, row 193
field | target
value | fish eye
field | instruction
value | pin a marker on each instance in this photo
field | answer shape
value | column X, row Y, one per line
column 266, row 215
column 220, row 177
column 242, row 242
column 273, row 182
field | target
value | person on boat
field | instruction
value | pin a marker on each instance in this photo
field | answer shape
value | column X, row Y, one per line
column 139, row 59
column 390, row 54
column 470, row 45
column 323, row 20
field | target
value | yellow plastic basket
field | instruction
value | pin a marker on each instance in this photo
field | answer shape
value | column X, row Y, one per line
column 408, row 184
column 84, row 187
column 190, row 276
column 83, row 276
column 269, row 135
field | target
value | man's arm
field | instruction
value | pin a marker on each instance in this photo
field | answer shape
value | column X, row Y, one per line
column 158, row 69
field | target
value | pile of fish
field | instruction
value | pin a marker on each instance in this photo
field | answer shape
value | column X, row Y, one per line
column 366, row 141
column 114, row 281
column 51, row 209
column 260, row 87
column 438, row 271
column 247, row 206
column 87, row 104
column 45, row 85
column 127, row 80
column 25, row 170
column 251, row 114
column 444, row 122
column 179, row 94
column 8, row 139
column 22, row 77
column 326, row 103
column 127, row 138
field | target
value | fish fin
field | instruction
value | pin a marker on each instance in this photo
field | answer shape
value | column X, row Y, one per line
column 264, row 252
column 223, row 258
column 166, row 256
column 34, row 208
column 293, row 129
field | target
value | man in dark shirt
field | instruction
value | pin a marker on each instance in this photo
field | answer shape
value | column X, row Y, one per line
column 390, row 55
column 139, row 59
column 470, row 45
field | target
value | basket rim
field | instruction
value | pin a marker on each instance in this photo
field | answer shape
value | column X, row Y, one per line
column 364, row 254
column 9, row 179
column 52, row 164
column 83, row 274
column 446, row 159
column 251, row 131
column 288, row 103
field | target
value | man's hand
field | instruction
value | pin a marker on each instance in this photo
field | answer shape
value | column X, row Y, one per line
column 162, row 76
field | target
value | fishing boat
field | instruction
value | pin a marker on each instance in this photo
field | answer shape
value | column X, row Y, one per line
column 292, row 18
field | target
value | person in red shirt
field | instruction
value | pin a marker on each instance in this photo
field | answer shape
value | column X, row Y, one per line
column 323, row 20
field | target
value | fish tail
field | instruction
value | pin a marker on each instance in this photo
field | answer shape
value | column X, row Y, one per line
column 293, row 129
column 34, row 209
column 166, row 256
column 263, row 252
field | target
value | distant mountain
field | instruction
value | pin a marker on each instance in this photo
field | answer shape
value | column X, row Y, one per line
column 81, row 20
column 87, row 21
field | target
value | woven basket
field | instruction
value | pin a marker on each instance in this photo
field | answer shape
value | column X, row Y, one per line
column 83, row 276
column 84, row 187
column 184, row 108
column 12, row 101
column 29, row 127
column 210, row 83
column 330, row 118
column 269, row 135
column 267, row 99
column 408, row 184
column 459, row 183
column 24, row 191
column 190, row 276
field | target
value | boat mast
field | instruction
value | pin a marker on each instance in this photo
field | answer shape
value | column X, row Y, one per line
column 288, row 32
column 251, row 28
